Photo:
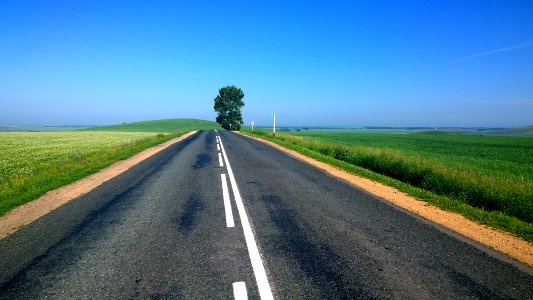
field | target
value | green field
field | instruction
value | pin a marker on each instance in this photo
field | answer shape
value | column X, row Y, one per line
column 32, row 163
column 486, row 178
column 522, row 131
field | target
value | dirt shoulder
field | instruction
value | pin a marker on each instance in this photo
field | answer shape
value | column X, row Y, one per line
column 502, row 242
column 31, row 211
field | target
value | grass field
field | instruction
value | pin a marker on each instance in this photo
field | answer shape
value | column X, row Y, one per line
column 32, row 163
column 486, row 178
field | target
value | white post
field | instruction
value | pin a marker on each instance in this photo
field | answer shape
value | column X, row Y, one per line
column 252, row 125
column 274, row 128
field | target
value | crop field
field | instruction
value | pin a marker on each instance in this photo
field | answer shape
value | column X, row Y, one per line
column 32, row 163
column 492, row 174
column 495, row 156
column 25, row 153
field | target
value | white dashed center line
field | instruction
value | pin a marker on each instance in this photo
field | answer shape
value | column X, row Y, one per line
column 239, row 291
column 227, row 203
column 255, row 258
column 220, row 162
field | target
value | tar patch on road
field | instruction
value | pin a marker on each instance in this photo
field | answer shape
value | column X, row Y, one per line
column 201, row 161
column 318, row 262
column 188, row 219
column 209, row 139
column 471, row 287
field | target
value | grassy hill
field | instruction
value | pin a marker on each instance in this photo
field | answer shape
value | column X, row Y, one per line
column 170, row 125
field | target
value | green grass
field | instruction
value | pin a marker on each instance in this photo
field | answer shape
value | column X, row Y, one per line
column 170, row 125
column 487, row 179
column 33, row 163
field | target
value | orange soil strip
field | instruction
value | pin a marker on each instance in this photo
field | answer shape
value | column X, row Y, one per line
column 31, row 211
column 503, row 242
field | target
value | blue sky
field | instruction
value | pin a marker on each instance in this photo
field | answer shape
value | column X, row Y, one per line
column 327, row 63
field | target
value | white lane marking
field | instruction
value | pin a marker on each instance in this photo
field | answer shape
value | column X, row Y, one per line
column 255, row 258
column 239, row 291
column 218, row 147
column 227, row 203
column 220, row 160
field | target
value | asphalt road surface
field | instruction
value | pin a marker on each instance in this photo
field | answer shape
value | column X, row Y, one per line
column 186, row 224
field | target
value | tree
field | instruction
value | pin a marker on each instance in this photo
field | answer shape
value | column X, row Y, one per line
column 228, row 105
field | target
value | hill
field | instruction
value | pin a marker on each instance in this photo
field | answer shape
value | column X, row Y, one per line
column 517, row 131
column 170, row 125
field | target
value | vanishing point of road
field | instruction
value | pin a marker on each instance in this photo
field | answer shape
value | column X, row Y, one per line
column 222, row 216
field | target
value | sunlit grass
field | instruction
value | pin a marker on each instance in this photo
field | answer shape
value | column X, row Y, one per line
column 32, row 163
column 493, row 176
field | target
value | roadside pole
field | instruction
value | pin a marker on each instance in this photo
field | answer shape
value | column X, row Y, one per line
column 274, row 128
column 252, row 125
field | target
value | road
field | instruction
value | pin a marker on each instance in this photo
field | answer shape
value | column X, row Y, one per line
column 161, row 230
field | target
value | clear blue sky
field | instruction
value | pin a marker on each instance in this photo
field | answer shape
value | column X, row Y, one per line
column 337, row 63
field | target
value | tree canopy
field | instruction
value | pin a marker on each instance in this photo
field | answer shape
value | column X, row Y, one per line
column 228, row 104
